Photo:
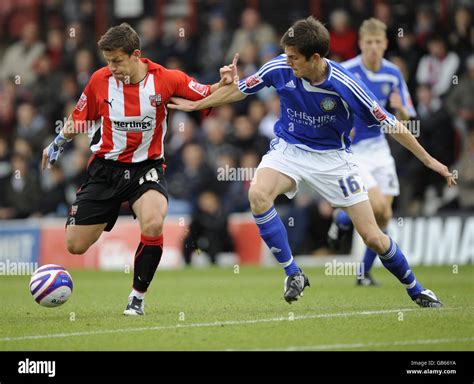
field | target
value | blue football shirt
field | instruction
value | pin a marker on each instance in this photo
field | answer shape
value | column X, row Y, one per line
column 318, row 117
column 382, row 83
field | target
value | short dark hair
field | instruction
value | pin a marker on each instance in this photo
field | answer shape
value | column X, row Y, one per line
column 122, row 37
column 309, row 36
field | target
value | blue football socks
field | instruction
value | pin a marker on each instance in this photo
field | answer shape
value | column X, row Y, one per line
column 343, row 220
column 368, row 260
column 274, row 234
column 395, row 261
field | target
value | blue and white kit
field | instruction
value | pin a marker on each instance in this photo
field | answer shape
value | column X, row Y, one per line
column 370, row 147
column 313, row 143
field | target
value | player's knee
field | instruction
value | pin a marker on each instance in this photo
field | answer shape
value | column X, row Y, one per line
column 387, row 215
column 383, row 214
column 377, row 207
column 259, row 200
column 374, row 240
column 76, row 247
column 152, row 227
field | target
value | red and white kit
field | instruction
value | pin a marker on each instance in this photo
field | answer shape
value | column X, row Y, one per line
column 129, row 120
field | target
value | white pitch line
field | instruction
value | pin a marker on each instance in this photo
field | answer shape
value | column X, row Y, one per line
column 325, row 347
column 213, row 324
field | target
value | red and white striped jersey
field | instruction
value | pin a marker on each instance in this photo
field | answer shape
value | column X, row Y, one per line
column 129, row 120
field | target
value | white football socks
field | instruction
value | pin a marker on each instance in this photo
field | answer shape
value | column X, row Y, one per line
column 138, row 295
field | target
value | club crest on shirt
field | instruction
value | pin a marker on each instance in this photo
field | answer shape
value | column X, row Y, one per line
column 155, row 100
column 328, row 104
column 385, row 89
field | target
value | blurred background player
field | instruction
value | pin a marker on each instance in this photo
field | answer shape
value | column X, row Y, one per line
column 319, row 99
column 208, row 229
column 369, row 145
column 124, row 107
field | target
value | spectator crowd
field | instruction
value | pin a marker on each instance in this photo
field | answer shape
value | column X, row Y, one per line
column 46, row 62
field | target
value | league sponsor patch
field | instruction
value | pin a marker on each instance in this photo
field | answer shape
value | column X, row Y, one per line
column 199, row 88
column 252, row 81
column 82, row 102
column 378, row 112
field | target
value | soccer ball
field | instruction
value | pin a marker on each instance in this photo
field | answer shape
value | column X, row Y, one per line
column 51, row 285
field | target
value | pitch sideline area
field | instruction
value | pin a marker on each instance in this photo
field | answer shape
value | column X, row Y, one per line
column 218, row 309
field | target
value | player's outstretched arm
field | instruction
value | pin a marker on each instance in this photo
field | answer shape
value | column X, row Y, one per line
column 52, row 151
column 405, row 138
column 224, row 95
column 224, row 92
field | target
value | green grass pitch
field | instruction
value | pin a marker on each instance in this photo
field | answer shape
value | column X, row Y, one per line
column 218, row 309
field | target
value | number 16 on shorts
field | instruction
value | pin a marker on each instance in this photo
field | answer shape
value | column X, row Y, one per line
column 351, row 185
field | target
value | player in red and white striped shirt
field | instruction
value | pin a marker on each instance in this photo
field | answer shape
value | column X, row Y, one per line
column 124, row 104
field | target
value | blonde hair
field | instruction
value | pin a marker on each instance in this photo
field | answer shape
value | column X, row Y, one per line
column 372, row 26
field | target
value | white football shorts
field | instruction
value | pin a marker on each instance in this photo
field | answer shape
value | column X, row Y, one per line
column 376, row 165
column 333, row 174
